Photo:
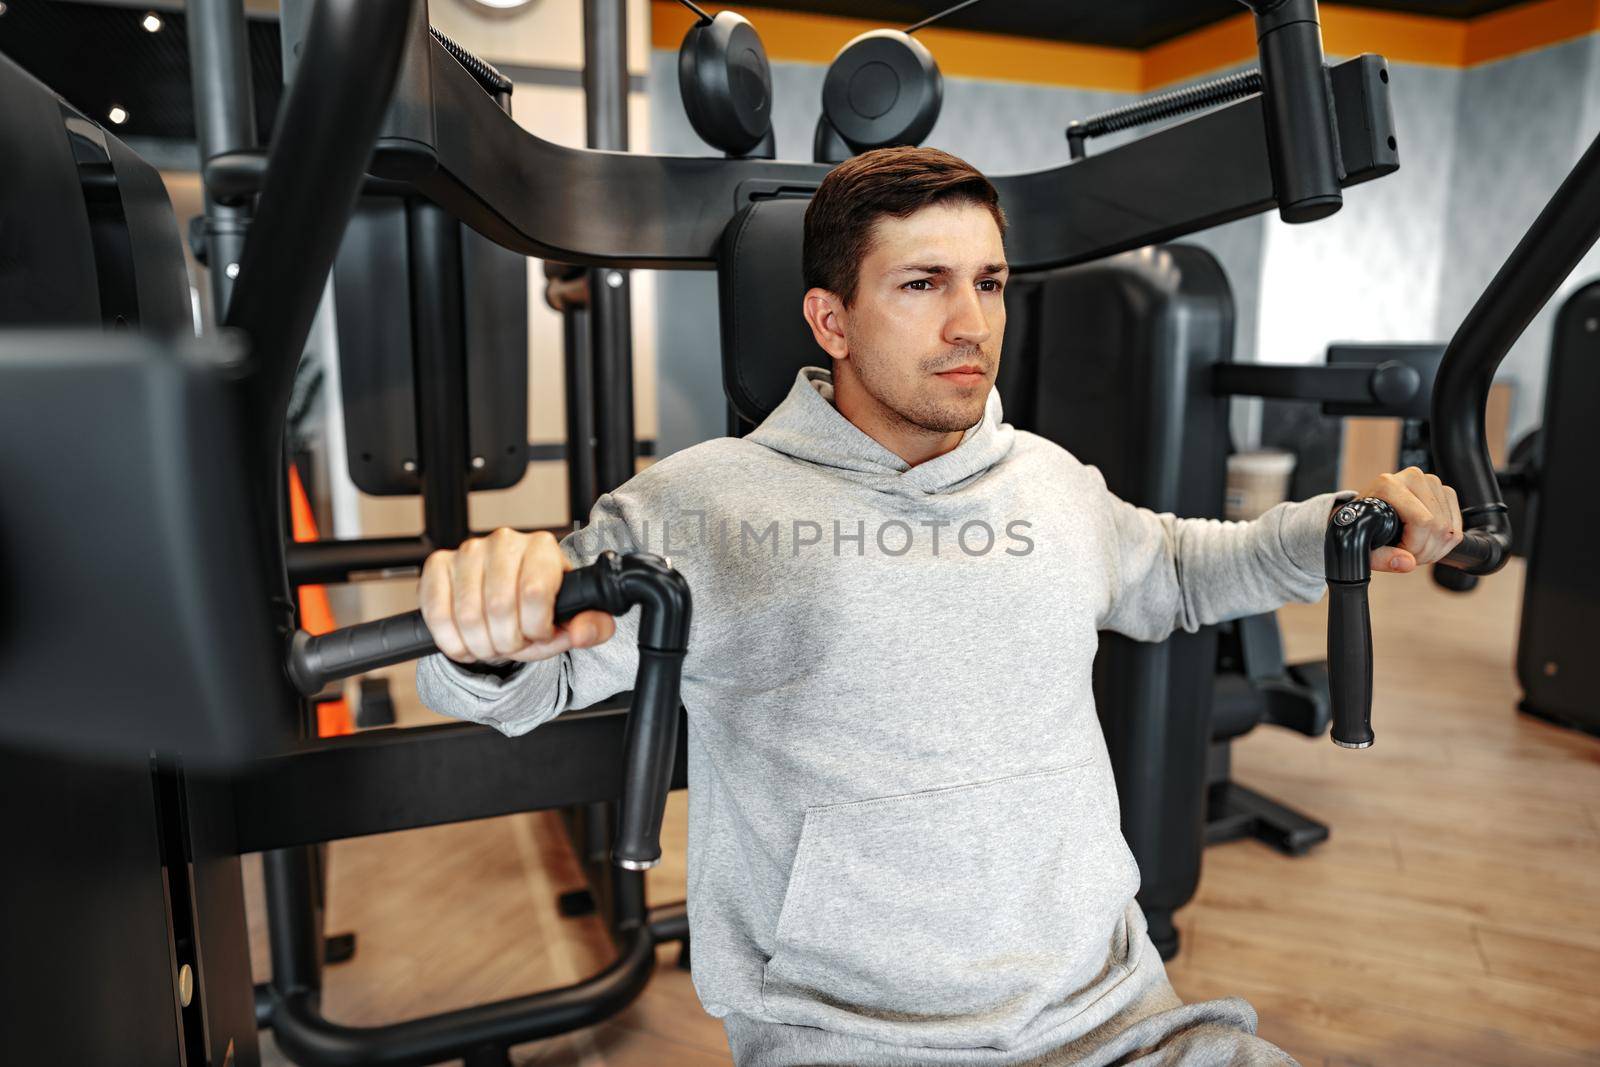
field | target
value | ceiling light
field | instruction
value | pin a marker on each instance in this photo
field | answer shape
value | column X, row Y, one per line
column 152, row 23
column 2, row 7
column 117, row 116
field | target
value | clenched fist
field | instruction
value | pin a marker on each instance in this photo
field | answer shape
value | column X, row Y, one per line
column 1430, row 512
column 493, row 600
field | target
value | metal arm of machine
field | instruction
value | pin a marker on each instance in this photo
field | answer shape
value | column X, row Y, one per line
column 610, row 584
column 1390, row 384
column 1550, row 250
column 447, row 138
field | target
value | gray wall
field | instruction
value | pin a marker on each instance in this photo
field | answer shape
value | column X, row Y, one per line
column 1520, row 124
column 1480, row 151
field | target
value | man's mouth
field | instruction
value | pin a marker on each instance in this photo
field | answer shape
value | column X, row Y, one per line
column 966, row 374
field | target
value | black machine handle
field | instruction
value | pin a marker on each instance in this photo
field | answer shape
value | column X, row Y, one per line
column 611, row 584
column 1354, row 530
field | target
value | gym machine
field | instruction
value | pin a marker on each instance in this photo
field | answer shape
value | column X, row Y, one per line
column 196, row 669
column 1553, row 482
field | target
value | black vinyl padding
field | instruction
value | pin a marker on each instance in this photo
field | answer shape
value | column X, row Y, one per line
column 765, row 340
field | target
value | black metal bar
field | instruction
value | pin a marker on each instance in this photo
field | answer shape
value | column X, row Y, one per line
column 605, row 90
column 1386, row 386
column 264, row 1004
column 308, row 1038
column 605, row 74
column 314, row 562
column 1293, row 381
column 439, row 341
column 325, row 129
column 234, row 177
column 293, row 924
column 640, row 210
column 378, row 781
column 583, row 481
column 611, row 346
column 1530, row 276
column 669, row 922
column 225, row 122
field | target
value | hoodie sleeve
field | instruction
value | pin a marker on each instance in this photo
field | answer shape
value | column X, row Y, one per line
column 1172, row 574
column 535, row 693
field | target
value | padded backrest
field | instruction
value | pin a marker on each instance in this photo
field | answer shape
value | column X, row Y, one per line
column 765, row 341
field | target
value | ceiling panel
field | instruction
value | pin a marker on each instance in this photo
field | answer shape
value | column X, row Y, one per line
column 97, row 57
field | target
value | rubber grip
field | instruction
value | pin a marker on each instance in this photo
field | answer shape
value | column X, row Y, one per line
column 316, row 661
column 1350, row 663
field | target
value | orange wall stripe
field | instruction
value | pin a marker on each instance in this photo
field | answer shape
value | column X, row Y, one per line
column 1347, row 31
column 1222, row 44
column 1526, row 27
column 1402, row 38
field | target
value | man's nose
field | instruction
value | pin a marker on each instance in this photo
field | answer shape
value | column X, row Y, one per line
column 966, row 323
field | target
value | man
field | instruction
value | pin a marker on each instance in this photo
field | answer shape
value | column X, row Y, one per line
column 904, row 843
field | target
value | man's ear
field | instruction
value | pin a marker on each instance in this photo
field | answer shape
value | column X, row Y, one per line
column 825, row 315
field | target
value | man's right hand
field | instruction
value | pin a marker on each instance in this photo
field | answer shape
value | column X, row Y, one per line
column 493, row 600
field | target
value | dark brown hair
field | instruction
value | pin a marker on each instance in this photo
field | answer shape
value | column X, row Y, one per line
column 861, row 190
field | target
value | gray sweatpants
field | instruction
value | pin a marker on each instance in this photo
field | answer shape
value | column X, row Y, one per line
column 1154, row 1030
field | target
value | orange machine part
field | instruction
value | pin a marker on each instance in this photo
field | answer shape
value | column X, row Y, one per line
column 333, row 716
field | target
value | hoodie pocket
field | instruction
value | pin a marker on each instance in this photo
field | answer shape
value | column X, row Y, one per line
column 955, row 918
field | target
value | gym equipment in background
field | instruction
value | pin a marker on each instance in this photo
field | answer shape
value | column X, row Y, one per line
column 1561, row 504
column 432, row 323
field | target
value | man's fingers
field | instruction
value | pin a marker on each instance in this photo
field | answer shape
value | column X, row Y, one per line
column 435, row 598
column 584, row 630
column 534, row 651
column 1414, row 514
column 1440, row 530
column 543, row 567
column 467, row 603
column 500, row 571
column 590, row 628
column 1397, row 560
column 1457, row 523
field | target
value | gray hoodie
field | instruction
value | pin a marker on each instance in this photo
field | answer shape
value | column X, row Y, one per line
column 903, row 827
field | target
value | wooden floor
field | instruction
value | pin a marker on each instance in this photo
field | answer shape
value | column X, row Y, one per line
column 1452, row 919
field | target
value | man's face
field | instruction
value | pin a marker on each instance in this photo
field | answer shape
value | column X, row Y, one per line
column 923, row 334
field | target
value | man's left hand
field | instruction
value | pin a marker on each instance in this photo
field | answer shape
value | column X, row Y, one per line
column 1431, row 515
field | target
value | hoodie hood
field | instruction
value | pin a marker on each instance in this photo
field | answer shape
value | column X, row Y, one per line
column 807, row 427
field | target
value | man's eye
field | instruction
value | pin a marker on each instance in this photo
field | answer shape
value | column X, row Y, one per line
column 990, row 285
column 920, row 285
